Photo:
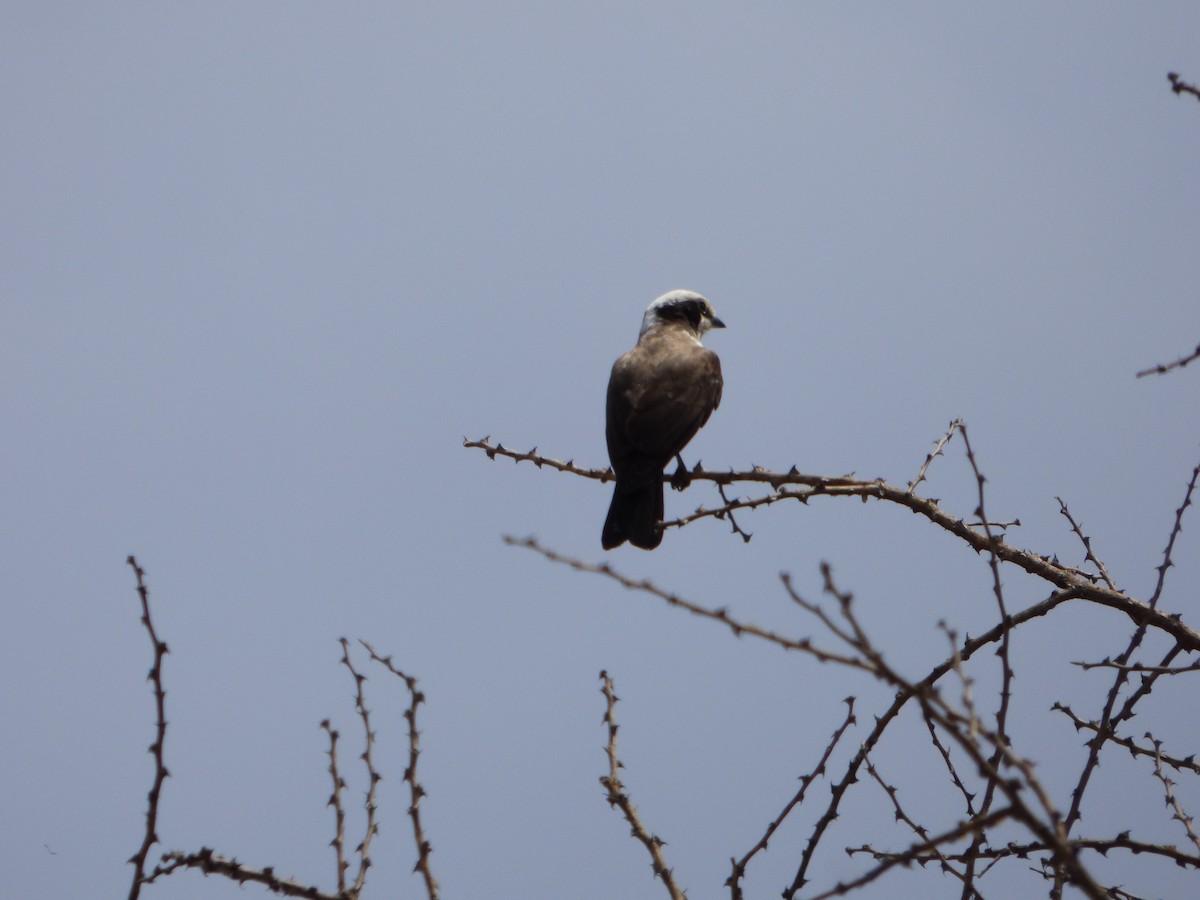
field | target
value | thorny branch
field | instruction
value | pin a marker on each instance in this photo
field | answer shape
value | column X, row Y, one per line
column 1083, row 586
column 1129, row 744
column 618, row 799
column 1179, row 86
column 339, row 811
column 1169, row 789
column 739, row 865
column 209, row 861
column 373, row 777
column 160, row 736
column 934, row 454
column 1006, row 779
column 1161, row 368
column 416, row 791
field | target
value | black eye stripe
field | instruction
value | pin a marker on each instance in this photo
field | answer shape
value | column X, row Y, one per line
column 691, row 311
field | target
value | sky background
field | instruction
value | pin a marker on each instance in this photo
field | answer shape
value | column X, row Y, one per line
column 264, row 265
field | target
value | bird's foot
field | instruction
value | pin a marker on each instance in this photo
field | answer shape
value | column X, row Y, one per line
column 681, row 478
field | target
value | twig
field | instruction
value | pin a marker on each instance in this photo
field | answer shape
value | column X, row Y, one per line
column 1169, row 789
column 1176, row 528
column 339, row 812
column 494, row 450
column 1015, row 850
column 1162, row 369
column 373, row 776
column 1089, row 556
column 937, row 451
column 618, row 799
column 1139, row 667
column 739, row 865
column 722, row 615
column 970, row 826
column 968, row 797
column 416, row 791
column 209, row 862
column 160, row 735
column 1182, row 87
column 1134, row 749
column 1063, row 577
column 1108, row 722
column 1006, row 673
column 728, row 511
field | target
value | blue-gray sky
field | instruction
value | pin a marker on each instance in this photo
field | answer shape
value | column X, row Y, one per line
column 265, row 264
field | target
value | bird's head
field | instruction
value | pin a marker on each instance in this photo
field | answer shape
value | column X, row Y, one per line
column 682, row 306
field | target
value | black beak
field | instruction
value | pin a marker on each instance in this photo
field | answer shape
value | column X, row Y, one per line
column 716, row 323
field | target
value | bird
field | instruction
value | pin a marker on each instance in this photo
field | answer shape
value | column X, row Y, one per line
column 660, row 394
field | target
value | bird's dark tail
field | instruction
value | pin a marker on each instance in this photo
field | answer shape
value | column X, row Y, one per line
column 635, row 516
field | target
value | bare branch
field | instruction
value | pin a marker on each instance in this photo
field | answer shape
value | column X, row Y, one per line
column 1134, row 749
column 1139, row 667
column 739, row 865
column 1006, row 673
column 209, row 862
column 1161, row 368
column 1169, row 789
column 1182, row 87
column 969, row 826
column 160, row 735
column 1108, row 722
column 416, row 791
column 339, row 812
column 937, row 451
column 494, row 450
column 1061, row 576
column 728, row 511
column 1022, row 850
column 1089, row 556
column 373, row 776
column 717, row 615
column 1176, row 528
column 617, row 797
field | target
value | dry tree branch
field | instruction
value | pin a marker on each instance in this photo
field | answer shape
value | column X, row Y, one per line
column 1180, row 86
column 1140, row 667
column 1064, row 577
column 618, row 799
column 727, row 510
column 968, row 796
column 210, row 862
column 1006, row 672
column 1135, row 750
column 963, row 730
column 1089, row 556
column 373, row 776
column 160, row 735
column 935, row 854
column 1161, row 368
column 1023, row 850
column 1169, row 790
column 494, row 450
column 1176, row 528
column 971, row 738
column 1108, row 722
column 739, row 865
column 968, row 826
column 339, row 812
column 416, row 791
column 1003, row 773
column 717, row 615
column 937, row 451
